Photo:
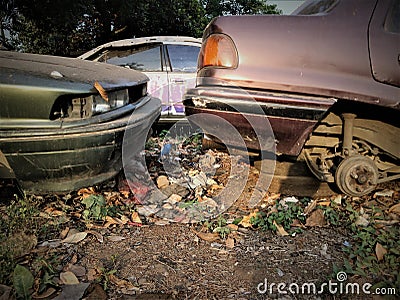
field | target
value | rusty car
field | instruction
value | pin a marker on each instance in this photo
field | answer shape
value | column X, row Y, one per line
column 327, row 79
column 63, row 120
column 169, row 61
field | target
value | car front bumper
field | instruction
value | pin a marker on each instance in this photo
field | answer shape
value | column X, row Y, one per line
column 65, row 156
column 291, row 117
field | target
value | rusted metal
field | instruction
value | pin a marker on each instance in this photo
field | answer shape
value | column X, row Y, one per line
column 348, row 122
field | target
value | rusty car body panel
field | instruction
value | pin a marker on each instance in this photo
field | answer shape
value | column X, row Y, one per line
column 330, row 57
column 58, row 132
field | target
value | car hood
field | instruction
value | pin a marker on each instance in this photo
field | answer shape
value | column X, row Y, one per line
column 63, row 74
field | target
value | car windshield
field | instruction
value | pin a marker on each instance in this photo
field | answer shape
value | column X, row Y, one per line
column 316, row 7
column 144, row 58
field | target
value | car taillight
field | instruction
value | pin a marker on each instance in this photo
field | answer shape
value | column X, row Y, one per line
column 218, row 50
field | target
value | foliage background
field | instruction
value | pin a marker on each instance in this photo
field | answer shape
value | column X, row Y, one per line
column 71, row 27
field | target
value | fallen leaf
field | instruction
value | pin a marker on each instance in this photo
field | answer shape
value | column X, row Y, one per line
column 246, row 221
column 310, row 207
column 5, row 292
column 316, row 218
column 135, row 218
column 74, row 291
column 68, row 278
column 64, row 233
column 119, row 282
column 395, row 209
column 233, row 227
column 101, row 90
column 361, row 221
column 98, row 236
column 75, row 238
column 115, row 238
column 380, row 251
column 79, row 271
column 162, row 182
column 208, row 236
column 86, row 192
column 92, row 274
column 45, row 295
column 230, row 243
column 324, row 203
column 337, row 200
column 281, row 230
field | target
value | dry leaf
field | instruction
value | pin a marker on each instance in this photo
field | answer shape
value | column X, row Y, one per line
column 209, row 237
column 135, row 218
column 64, row 233
column 93, row 274
column 98, row 236
column 86, row 192
column 281, row 230
column 246, row 219
column 324, row 203
column 79, row 271
column 316, row 218
column 233, row 227
column 101, row 90
column 115, row 238
column 75, row 238
column 310, row 207
column 45, row 295
column 68, row 278
column 395, row 209
column 230, row 243
column 380, row 251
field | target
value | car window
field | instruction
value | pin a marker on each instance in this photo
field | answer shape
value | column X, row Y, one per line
column 317, row 7
column 183, row 58
column 144, row 58
column 392, row 22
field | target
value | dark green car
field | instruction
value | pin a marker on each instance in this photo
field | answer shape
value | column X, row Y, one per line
column 63, row 120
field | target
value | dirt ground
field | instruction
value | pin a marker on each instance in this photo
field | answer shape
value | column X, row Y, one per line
column 171, row 262
column 163, row 252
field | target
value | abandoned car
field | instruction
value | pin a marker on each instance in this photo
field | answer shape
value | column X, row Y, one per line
column 62, row 120
column 327, row 78
column 169, row 61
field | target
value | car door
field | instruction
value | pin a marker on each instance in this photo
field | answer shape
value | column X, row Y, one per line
column 147, row 58
column 384, row 42
column 182, row 61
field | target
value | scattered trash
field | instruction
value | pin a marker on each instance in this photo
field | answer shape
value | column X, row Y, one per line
column 384, row 193
column 280, row 272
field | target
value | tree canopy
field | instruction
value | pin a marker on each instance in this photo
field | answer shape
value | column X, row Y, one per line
column 70, row 27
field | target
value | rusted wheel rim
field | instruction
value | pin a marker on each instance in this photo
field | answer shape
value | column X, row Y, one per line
column 356, row 175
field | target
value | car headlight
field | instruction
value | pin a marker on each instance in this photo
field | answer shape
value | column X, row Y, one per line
column 85, row 106
column 115, row 99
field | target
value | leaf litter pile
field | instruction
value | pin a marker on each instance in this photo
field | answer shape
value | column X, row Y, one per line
column 126, row 240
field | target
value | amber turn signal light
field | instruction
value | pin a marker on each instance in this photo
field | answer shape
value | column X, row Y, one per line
column 218, row 50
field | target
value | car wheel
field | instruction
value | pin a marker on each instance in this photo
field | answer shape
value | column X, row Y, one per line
column 356, row 175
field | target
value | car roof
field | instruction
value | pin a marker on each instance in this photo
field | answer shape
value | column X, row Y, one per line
column 144, row 40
